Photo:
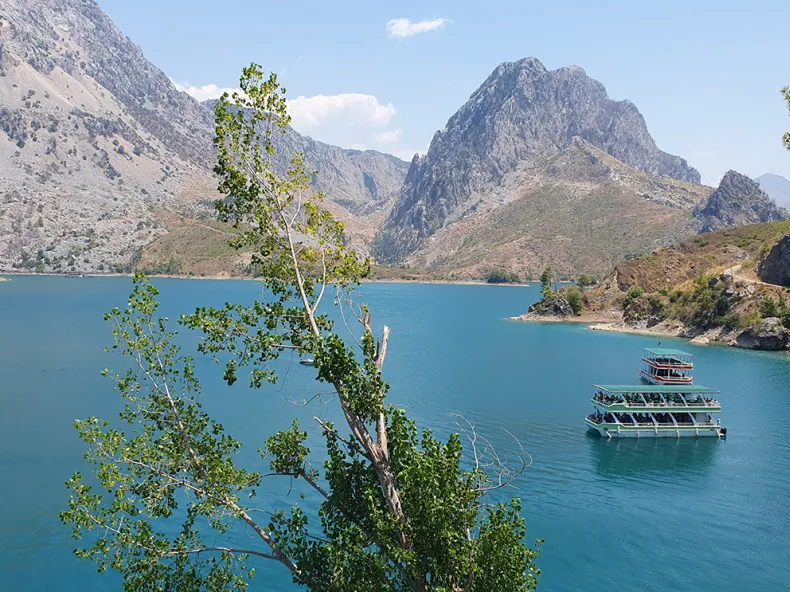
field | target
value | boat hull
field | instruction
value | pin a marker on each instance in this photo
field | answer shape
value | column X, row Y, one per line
column 610, row 431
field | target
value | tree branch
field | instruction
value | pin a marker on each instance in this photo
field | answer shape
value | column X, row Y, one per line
column 224, row 549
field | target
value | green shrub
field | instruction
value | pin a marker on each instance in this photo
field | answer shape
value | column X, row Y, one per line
column 574, row 298
column 499, row 276
column 770, row 308
column 732, row 320
column 635, row 292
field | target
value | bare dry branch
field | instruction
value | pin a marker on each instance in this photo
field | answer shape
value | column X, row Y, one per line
column 488, row 465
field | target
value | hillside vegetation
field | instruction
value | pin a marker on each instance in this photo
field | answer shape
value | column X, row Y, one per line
column 580, row 210
column 703, row 287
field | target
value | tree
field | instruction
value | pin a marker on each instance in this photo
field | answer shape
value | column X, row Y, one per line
column 545, row 282
column 574, row 298
column 500, row 276
column 586, row 280
column 400, row 510
column 786, row 94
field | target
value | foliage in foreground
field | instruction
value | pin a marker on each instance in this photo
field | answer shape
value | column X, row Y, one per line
column 786, row 94
column 167, row 499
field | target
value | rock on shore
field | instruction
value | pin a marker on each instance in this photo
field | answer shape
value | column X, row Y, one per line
column 770, row 334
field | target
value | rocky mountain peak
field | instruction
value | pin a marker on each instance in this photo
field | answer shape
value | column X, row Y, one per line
column 737, row 201
column 522, row 113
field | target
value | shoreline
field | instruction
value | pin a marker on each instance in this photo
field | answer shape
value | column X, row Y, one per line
column 716, row 336
column 249, row 278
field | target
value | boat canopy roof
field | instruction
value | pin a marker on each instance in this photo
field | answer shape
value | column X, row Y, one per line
column 664, row 389
column 660, row 351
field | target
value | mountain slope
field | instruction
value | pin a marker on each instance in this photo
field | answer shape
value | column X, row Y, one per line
column 579, row 210
column 705, row 287
column 777, row 188
column 736, row 202
column 520, row 114
column 97, row 146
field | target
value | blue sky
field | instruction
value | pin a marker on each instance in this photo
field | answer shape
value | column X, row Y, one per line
column 706, row 75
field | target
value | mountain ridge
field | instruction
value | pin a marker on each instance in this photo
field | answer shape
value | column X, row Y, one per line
column 521, row 113
column 99, row 150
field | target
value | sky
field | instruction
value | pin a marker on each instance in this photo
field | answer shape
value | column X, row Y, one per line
column 705, row 75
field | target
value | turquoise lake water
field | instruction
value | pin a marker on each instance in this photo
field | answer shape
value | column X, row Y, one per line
column 690, row 515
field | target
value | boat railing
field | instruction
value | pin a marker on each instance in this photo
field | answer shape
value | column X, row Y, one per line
column 611, row 420
column 608, row 401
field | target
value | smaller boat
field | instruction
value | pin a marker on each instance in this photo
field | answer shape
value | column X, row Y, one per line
column 666, row 366
column 307, row 362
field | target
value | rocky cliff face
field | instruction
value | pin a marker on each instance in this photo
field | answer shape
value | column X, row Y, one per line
column 98, row 148
column 520, row 114
column 363, row 182
column 578, row 210
column 736, row 202
column 775, row 267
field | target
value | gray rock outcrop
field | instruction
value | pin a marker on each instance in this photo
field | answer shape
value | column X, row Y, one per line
column 770, row 335
column 556, row 307
column 775, row 267
column 736, row 202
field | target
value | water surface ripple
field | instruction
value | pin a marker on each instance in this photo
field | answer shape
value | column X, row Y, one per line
column 690, row 515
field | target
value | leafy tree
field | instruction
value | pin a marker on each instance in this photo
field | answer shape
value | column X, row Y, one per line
column 586, row 280
column 786, row 94
column 545, row 282
column 634, row 292
column 499, row 276
column 399, row 510
column 574, row 298
column 769, row 308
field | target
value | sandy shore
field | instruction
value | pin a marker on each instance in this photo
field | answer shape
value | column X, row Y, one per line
column 602, row 322
column 623, row 328
column 583, row 319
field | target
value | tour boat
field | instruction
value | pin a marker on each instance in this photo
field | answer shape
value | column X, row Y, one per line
column 666, row 366
column 655, row 411
column 307, row 362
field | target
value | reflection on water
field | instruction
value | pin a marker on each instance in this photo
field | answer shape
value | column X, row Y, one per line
column 627, row 457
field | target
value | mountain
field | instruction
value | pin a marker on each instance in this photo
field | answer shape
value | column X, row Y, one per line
column 100, row 155
column 519, row 115
column 736, row 202
column 777, row 188
column 578, row 210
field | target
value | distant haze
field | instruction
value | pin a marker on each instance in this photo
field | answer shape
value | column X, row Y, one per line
column 777, row 187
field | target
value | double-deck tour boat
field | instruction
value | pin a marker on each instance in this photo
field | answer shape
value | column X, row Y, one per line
column 666, row 366
column 655, row 411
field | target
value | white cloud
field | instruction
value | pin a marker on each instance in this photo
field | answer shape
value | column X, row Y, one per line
column 352, row 108
column 359, row 146
column 387, row 136
column 403, row 27
column 203, row 93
